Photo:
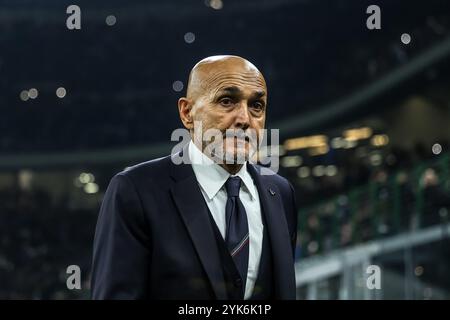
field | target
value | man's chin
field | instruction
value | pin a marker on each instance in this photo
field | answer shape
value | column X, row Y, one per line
column 231, row 154
column 236, row 157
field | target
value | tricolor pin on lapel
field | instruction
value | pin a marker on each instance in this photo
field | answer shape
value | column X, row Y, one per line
column 272, row 192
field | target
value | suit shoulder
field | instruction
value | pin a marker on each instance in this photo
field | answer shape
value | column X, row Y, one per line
column 280, row 179
column 152, row 169
column 272, row 176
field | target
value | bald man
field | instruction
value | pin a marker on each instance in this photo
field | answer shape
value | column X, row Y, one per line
column 211, row 227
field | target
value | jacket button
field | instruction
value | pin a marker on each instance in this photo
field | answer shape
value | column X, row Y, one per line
column 238, row 282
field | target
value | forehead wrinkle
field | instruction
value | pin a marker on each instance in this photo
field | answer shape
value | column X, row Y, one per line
column 216, row 76
column 222, row 81
column 255, row 90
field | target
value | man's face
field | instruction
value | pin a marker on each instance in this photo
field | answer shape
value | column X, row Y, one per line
column 232, row 98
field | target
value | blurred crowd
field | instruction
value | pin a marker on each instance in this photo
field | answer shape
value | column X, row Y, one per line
column 39, row 240
column 388, row 200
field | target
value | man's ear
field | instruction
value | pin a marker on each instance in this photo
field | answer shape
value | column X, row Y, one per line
column 185, row 108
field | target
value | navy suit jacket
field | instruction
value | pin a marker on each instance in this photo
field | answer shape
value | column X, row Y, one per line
column 154, row 238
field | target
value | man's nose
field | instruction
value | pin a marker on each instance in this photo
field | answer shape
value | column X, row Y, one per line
column 242, row 117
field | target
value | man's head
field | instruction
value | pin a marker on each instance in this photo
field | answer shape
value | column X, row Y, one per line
column 225, row 93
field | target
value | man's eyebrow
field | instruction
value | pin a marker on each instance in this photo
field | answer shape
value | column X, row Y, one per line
column 230, row 90
column 258, row 94
column 233, row 90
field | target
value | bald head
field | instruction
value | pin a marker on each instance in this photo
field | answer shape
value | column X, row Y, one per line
column 210, row 73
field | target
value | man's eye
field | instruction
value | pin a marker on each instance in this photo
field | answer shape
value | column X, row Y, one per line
column 258, row 105
column 226, row 101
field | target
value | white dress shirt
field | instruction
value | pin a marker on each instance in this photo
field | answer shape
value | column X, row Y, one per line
column 211, row 177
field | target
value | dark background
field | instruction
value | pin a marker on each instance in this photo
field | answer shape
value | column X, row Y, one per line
column 325, row 71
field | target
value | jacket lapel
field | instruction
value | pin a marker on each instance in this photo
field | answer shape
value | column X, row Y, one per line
column 273, row 210
column 195, row 215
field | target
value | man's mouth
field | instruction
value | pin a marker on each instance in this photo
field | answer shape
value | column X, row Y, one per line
column 238, row 136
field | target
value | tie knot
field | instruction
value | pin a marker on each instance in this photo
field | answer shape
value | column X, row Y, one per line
column 233, row 185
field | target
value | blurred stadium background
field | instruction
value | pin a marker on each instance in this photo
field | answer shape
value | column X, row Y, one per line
column 364, row 119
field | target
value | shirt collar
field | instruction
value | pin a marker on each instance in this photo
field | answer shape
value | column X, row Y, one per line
column 212, row 177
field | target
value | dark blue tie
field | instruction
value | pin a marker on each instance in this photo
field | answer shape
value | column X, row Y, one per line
column 237, row 237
